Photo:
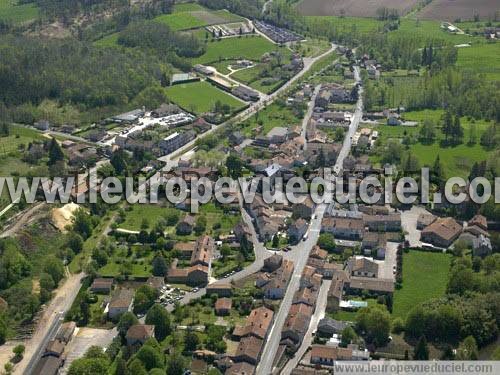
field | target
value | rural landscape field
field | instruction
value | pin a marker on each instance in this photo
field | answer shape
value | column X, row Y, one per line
column 249, row 187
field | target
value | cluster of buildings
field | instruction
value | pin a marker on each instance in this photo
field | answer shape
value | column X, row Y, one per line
column 369, row 227
column 165, row 118
column 334, row 93
column 358, row 274
column 200, row 256
column 275, row 276
column 251, row 336
column 372, row 67
column 444, row 232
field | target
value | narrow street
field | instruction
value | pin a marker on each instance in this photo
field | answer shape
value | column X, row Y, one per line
column 299, row 255
column 356, row 118
column 309, row 113
column 303, row 249
column 49, row 323
column 319, row 313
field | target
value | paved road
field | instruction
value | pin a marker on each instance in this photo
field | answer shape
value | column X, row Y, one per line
column 356, row 118
column 299, row 255
column 319, row 314
column 272, row 344
column 309, row 113
column 49, row 323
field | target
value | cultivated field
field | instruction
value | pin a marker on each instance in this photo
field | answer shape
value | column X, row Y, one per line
column 11, row 11
column 192, row 16
column 200, row 97
column 451, row 10
column 356, row 8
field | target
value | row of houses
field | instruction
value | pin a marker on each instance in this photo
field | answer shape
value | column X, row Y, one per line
column 354, row 228
column 251, row 336
column 54, row 355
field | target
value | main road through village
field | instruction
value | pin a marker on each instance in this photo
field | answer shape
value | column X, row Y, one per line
column 302, row 250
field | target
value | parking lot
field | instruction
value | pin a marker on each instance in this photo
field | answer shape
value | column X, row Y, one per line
column 170, row 294
column 277, row 34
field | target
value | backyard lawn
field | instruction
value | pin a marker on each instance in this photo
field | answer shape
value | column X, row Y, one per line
column 151, row 212
column 425, row 275
column 200, row 97
column 270, row 117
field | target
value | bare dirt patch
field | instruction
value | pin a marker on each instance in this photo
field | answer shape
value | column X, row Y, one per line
column 451, row 10
column 62, row 217
column 353, row 8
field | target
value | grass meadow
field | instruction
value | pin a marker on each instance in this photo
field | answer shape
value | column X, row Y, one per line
column 425, row 275
column 200, row 97
column 246, row 47
column 12, row 12
column 457, row 160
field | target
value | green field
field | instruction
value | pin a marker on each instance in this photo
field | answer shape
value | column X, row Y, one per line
column 457, row 160
column 430, row 31
column 139, row 212
column 481, row 58
column 425, row 276
column 250, row 76
column 363, row 25
column 191, row 16
column 200, row 97
column 248, row 47
column 181, row 21
column 19, row 136
column 10, row 11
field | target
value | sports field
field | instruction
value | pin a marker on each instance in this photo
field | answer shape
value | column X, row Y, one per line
column 248, row 47
column 425, row 276
column 200, row 97
column 11, row 11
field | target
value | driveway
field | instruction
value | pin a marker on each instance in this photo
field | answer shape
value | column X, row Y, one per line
column 409, row 224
